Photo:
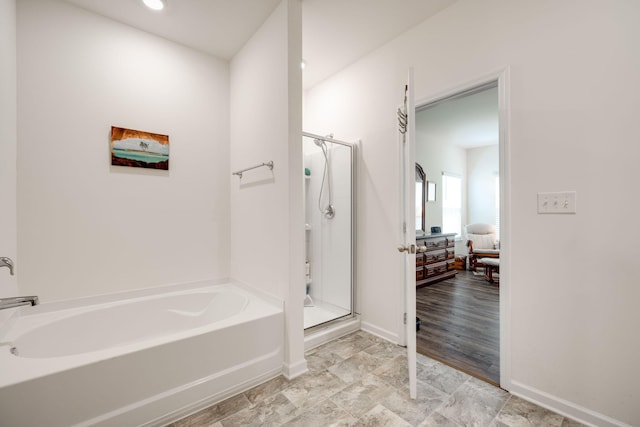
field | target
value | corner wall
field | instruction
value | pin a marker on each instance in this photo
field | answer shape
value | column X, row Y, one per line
column 574, row 99
column 267, row 210
column 8, row 235
column 436, row 155
column 86, row 227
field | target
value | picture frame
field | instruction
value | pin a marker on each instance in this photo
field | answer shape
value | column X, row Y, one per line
column 431, row 191
column 141, row 149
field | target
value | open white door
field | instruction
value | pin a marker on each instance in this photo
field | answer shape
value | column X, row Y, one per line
column 407, row 188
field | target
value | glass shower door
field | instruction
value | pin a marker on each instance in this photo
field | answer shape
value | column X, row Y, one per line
column 329, row 174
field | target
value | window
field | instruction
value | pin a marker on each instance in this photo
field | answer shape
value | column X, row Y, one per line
column 451, row 203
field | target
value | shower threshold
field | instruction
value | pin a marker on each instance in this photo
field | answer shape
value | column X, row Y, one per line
column 321, row 313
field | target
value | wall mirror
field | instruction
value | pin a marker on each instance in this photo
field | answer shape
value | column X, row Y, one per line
column 421, row 189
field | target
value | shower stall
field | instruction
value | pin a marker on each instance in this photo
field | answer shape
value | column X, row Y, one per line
column 330, row 178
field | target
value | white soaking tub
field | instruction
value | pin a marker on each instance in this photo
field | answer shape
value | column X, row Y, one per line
column 138, row 358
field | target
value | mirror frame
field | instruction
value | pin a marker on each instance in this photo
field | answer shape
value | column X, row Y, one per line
column 422, row 177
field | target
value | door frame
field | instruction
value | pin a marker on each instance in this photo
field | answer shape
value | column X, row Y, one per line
column 502, row 77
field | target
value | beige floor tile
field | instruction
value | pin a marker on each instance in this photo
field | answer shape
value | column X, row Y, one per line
column 362, row 380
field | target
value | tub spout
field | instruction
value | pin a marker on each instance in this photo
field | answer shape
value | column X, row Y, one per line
column 17, row 301
column 6, row 262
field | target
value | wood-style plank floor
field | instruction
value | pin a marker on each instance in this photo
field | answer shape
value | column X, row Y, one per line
column 461, row 324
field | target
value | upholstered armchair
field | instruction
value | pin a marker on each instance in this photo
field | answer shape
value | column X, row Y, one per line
column 482, row 243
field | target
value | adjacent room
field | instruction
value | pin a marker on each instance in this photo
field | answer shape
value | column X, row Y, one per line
column 457, row 168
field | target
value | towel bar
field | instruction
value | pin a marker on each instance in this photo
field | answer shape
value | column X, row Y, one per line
column 268, row 164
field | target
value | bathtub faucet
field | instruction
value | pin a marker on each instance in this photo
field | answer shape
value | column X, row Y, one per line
column 17, row 301
column 6, row 262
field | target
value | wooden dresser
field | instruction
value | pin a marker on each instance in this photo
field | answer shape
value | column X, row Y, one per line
column 437, row 263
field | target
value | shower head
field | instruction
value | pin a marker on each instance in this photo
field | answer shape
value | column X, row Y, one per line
column 320, row 143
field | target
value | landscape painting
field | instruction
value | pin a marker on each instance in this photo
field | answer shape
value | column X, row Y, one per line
column 139, row 149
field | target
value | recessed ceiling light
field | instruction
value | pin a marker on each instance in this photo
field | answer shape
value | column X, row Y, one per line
column 154, row 4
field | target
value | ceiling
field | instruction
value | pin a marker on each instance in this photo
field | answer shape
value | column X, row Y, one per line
column 336, row 33
column 468, row 121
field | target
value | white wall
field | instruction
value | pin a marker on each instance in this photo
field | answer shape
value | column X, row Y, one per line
column 8, row 236
column 482, row 170
column 267, row 209
column 86, row 227
column 573, row 103
column 437, row 153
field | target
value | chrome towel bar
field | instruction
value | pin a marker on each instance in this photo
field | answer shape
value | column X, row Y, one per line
column 268, row 164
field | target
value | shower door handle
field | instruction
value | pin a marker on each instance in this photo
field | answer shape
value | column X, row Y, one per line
column 410, row 249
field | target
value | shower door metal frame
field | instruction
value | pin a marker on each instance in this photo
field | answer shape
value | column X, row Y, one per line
column 353, row 146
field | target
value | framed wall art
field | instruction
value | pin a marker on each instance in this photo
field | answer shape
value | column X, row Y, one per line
column 139, row 149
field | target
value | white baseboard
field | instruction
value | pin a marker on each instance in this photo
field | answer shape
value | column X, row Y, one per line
column 382, row 333
column 291, row 371
column 563, row 407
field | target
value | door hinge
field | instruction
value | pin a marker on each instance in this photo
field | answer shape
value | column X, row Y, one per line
column 404, row 227
column 404, row 318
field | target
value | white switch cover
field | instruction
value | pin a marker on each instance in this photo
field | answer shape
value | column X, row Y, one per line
column 563, row 202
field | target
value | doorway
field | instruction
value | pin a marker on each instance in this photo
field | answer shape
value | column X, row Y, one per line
column 458, row 147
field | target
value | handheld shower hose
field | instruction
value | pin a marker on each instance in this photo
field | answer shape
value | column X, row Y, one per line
column 328, row 212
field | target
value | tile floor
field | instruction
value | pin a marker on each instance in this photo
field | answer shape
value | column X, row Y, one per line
column 361, row 380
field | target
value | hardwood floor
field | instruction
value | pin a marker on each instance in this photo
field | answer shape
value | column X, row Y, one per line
column 461, row 324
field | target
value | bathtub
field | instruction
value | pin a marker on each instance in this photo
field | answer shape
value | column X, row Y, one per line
column 138, row 358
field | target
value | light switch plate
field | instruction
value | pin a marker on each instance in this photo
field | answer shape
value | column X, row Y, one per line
column 563, row 202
